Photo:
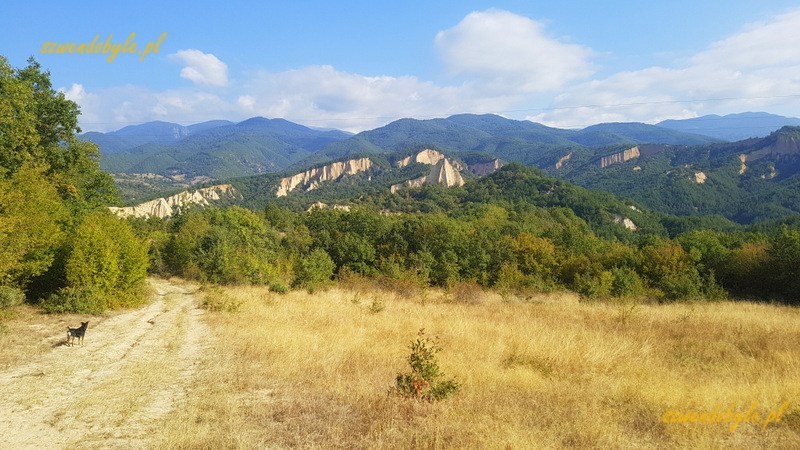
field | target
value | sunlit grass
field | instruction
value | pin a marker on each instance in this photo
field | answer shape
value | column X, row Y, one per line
column 301, row 370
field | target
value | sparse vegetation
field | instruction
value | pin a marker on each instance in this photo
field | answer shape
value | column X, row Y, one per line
column 550, row 372
column 425, row 381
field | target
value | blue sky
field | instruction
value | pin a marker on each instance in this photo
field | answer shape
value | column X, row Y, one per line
column 357, row 65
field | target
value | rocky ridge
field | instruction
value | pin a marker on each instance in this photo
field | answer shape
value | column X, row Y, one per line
column 168, row 206
column 620, row 157
column 311, row 178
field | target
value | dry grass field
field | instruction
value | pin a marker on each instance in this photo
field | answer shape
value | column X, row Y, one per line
column 314, row 371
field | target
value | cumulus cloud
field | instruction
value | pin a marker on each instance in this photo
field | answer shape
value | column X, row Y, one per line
column 506, row 52
column 76, row 92
column 754, row 69
column 325, row 96
column 202, row 68
column 501, row 62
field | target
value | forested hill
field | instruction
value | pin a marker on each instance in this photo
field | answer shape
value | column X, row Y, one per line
column 497, row 137
column 746, row 181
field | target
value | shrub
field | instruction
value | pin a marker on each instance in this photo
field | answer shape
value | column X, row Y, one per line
column 626, row 282
column 10, row 296
column 425, row 382
column 594, row 285
column 467, row 292
column 278, row 287
column 314, row 271
column 216, row 299
column 81, row 300
column 106, row 265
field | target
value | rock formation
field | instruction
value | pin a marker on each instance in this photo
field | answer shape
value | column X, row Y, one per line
column 620, row 157
column 483, row 169
column 743, row 167
column 311, row 178
column 167, row 207
column 443, row 173
column 427, row 156
column 700, row 177
column 625, row 222
column 560, row 163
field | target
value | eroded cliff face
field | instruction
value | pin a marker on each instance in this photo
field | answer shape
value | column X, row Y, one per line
column 169, row 206
column 310, row 179
column 563, row 160
column 620, row 157
column 483, row 169
column 700, row 177
column 625, row 222
column 427, row 156
column 443, row 173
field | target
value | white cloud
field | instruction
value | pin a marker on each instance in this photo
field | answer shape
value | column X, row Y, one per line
column 755, row 69
column 760, row 44
column 75, row 93
column 202, row 68
column 501, row 62
column 324, row 96
column 246, row 102
column 507, row 52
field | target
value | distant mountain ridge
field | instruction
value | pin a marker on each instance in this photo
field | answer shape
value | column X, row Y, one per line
column 732, row 127
column 668, row 170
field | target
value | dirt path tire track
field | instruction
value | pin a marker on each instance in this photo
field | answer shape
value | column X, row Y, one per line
column 132, row 370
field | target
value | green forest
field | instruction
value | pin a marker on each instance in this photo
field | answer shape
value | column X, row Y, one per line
column 517, row 230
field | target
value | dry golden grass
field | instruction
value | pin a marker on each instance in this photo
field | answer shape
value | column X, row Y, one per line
column 25, row 331
column 300, row 370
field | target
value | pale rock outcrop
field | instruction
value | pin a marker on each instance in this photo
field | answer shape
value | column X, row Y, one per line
column 620, row 157
column 773, row 172
column 625, row 222
column 442, row 173
column 700, row 177
column 169, row 206
column 427, row 156
column 560, row 163
column 311, row 178
column 743, row 167
column 483, row 169
column 321, row 205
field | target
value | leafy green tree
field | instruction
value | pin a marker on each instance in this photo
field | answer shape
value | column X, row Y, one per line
column 31, row 216
column 314, row 271
column 106, row 261
column 784, row 262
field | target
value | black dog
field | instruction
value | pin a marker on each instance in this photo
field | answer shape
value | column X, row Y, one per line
column 73, row 333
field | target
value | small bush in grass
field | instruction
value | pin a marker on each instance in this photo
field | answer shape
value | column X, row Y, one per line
column 425, row 381
column 216, row 299
column 10, row 296
column 278, row 287
column 376, row 306
column 467, row 292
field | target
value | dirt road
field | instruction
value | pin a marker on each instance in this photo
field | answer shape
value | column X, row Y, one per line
column 111, row 392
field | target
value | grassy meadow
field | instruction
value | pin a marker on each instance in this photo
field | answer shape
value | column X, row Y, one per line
column 314, row 371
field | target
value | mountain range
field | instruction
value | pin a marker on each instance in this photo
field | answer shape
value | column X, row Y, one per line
column 732, row 127
column 661, row 166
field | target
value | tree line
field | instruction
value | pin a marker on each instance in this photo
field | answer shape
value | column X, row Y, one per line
column 516, row 231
